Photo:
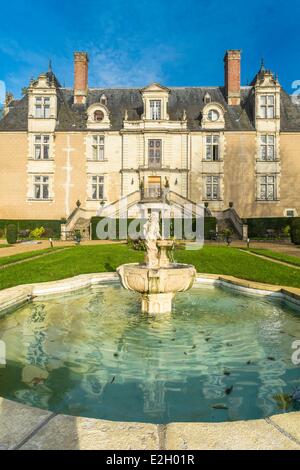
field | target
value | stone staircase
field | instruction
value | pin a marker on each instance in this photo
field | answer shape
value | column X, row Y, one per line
column 229, row 219
column 83, row 226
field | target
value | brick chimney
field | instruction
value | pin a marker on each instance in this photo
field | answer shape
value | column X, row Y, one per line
column 81, row 69
column 232, row 62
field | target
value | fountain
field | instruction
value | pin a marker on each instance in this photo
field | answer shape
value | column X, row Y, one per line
column 157, row 280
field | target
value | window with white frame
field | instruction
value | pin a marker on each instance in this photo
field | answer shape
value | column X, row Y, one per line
column 41, row 187
column 155, row 109
column 267, row 147
column 98, row 147
column 42, row 107
column 267, row 106
column 41, row 147
column 212, row 148
column 154, row 153
column 212, row 188
column 267, row 188
column 97, row 187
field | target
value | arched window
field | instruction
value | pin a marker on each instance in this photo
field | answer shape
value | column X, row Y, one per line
column 98, row 115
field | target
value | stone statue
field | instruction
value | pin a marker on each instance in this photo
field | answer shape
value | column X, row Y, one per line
column 152, row 234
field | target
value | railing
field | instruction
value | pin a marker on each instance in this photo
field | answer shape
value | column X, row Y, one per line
column 236, row 221
column 151, row 194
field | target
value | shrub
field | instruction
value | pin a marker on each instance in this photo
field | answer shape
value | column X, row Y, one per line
column 1, row 233
column 11, row 234
column 37, row 233
column 261, row 227
column 24, row 234
column 287, row 231
column 295, row 231
column 209, row 226
column 138, row 244
column 54, row 225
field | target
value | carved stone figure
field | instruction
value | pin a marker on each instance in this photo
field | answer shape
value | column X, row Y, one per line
column 152, row 234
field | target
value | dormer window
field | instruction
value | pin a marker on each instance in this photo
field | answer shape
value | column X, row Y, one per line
column 207, row 98
column 267, row 106
column 103, row 100
column 98, row 116
column 155, row 109
column 213, row 115
column 42, row 107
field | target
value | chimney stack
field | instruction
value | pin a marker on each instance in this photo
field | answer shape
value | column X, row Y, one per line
column 232, row 62
column 81, row 68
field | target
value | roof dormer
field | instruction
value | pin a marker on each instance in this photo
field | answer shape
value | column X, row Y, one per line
column 42, row 96
column 98, row 116
column 155, row 100
column 213, row 116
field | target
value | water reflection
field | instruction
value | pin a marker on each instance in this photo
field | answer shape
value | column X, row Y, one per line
column 218, row 356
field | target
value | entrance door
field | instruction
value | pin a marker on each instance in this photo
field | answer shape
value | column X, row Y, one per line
column 154, row 186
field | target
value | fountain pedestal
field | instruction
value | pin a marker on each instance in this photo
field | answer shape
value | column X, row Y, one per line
column 157, row 280
column 157, row 303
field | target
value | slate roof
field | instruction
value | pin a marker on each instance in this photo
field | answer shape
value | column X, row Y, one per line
column 73, row 117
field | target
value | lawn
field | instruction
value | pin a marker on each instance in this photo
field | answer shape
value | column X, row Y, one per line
column 102, row 258
column 276, row 255
column 30, row 254
column 2, row 245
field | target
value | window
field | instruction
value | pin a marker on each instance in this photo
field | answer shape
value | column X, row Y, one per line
column 42, row 107
column 41, row 147
column 98, row 115
column 267, row 106
column 155, row 109
column 213, row 115
column 154, row 153
column 41, row 187
column 207, row 98
column 267, row 148
column 103, row 100
column 212, row 188
column 97, row 187
column 212, row 148
column 98, row 147
column 290, row 213
column 267, row 191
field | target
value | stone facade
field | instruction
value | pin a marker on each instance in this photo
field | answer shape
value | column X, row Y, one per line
column 215, row 145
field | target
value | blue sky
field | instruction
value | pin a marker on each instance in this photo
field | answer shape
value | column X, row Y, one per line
column 132, row 43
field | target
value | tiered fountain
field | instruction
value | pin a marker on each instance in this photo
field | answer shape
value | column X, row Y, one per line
column 157, row 279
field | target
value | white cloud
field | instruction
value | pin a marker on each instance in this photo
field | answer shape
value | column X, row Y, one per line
column 113, row 68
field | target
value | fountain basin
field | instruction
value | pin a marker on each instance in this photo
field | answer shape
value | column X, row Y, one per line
column 157, row 286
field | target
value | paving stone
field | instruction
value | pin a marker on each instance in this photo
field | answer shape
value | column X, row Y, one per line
column 253, row 435
column 17, row 422
column 289, row 422
column 71, row 433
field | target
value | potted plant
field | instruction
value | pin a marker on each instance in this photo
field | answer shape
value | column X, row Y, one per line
column 77, row 237
column 227, row 234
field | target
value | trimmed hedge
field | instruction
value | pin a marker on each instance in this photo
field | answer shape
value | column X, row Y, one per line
column 209, row 226
column 295, row 231
column 11, row 234
column 257, row 228
column 52, row 227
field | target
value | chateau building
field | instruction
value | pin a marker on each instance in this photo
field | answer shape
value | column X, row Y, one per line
column 218, row 146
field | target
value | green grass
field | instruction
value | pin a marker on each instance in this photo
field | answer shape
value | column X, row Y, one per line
column 103, row 258
column 24, row 256
column 2, row 245
column 277, row 256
